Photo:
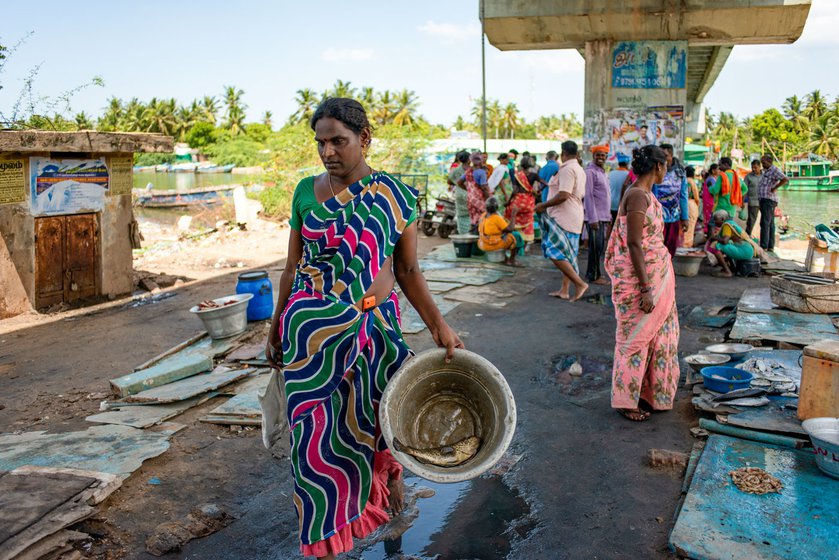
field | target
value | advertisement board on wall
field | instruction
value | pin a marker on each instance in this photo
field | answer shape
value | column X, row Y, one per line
column 67, row 186
column 649, row 64
column 625, row 129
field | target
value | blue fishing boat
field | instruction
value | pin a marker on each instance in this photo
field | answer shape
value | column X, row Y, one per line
column 150, row 198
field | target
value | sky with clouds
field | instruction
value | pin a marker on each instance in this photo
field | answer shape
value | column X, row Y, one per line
column 190, row 48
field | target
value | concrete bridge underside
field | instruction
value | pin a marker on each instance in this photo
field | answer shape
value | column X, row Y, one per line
column 710, row 27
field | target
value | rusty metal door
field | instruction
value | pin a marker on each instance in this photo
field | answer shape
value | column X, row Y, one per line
column 49, row 261
column 80, row 252
column 66, row 258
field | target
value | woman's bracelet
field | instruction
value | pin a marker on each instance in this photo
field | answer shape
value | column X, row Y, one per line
column 645, row 288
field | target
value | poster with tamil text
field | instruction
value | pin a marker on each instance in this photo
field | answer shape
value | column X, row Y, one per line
column 67, row 186
column 650, row 65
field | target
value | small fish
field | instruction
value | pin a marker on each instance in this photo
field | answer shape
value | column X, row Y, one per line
column 748, row 401
column 445, row 456
column 739, row 394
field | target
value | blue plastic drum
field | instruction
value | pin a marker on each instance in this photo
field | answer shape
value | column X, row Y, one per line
column 261, row 306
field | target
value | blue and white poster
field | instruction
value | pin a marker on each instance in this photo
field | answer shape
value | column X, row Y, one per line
column 67, row 186
column 650, row 64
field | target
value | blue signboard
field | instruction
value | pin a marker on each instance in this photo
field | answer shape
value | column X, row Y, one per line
column 650, row 64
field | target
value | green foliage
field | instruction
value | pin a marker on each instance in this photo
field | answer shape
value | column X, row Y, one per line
column 276, row 201
column 153, row 159
column 771, row 126
column 258, row 132
column 201, row 135
column 240, row 151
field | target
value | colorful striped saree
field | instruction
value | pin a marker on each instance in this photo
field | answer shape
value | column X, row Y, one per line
column 337, row 360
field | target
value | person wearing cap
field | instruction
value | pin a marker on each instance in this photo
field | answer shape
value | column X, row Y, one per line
column 597, row 204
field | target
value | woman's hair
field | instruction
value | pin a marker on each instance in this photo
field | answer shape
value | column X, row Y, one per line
column 722, row 215
column 690, row 171
column 526, row 162
column 463, row 156
column 348, row 111
column 713, row 168
column 492, row 204
column 645, row 159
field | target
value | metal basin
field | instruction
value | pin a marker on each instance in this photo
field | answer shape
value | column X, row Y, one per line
column 429, row 404
column 228, row 320
column 735, row 351
column 699, row 361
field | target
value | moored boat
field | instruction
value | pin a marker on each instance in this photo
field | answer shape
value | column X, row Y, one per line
column 214, row 169
column 811, row 172
column 149, row 198
column 184, row 168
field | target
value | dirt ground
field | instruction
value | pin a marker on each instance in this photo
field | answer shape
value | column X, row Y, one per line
column 580, row 489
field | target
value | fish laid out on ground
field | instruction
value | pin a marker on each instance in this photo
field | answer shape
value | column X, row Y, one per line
column 745, row 401
column 740, row 394
column 445, row 456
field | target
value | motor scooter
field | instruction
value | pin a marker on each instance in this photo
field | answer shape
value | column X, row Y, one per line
column 440, row 219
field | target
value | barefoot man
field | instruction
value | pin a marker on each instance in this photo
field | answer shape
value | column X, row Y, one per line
column 597, row 205
column 562, row 221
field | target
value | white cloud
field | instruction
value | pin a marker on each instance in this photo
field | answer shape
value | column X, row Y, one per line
column 563, row 61
column 821, row 26
column 347, row 55
column 451, row 31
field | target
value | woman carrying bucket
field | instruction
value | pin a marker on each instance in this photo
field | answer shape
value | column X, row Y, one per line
column 336, row 333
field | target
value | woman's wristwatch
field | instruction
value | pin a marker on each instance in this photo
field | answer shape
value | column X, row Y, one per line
column 645, row 288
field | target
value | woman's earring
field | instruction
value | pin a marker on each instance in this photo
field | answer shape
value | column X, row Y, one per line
column 364, row 148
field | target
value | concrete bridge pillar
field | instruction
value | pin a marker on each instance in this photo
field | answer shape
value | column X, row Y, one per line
column 635, row 94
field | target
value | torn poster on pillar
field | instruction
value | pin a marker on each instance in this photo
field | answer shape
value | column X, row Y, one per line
column 67, row 186
column 650, row 64
column 626, row 128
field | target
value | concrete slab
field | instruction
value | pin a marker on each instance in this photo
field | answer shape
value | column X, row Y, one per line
column 411, row 321
column 143, row 416
column 481, row 295
column 181, row 365
column 468, row 276
column 191, row 386
column 436, row 287
column 117, row 450
column 783, row 326
column 244, row 408
column 719, row 521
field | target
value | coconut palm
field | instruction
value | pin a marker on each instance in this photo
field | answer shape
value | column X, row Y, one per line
column 385, row 107
column 406, row 108
column 209, row 109
column 367, row 97
column 83, row 122
column 342, row 89
column 510, row 119
column 816, row 105
column 824, row 136
column 267, row 119
column 113, row 117
column 307, row 102
column 234, row 117
column 136, row 116
column 794, row 113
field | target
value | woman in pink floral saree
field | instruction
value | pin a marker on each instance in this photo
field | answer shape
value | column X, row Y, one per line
column 646, row 365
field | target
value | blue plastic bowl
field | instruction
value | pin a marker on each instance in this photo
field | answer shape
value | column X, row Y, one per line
column 733, row 378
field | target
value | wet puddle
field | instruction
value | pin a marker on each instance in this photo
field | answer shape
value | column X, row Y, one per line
column 475, row 519
column 576, row 374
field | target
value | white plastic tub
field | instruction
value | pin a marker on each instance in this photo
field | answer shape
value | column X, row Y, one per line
column 824, row 433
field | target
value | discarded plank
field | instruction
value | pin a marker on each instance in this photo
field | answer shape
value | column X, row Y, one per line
column 174, row 350
column 143, row 416
column 247, row 352
column 719, row 521
column 774, row 417
column 244, row 408
column 37, row 503
column 171, row 369
column 189, row 387
column 118, row 450
column 53, row 545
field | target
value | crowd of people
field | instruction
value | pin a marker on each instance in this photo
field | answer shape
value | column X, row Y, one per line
column 714, row 207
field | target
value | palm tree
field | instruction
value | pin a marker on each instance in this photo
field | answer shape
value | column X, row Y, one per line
column 406, row 108
column 209, row 109
column 367, row 97
column 342, row 89
column 136, row 118
column 794, row 113
column 307, row 102
column 113, row 117
column 235, row 115
column 386, row 107
column 495, row 116
column 816, row 105
column 161, row 116
column 267, row 118
column 824, row 136
column 83, row 122
column 510, row 119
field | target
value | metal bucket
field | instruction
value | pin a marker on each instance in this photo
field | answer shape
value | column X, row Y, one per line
column 429, row 403
column 496, row 256
column 228, row 320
